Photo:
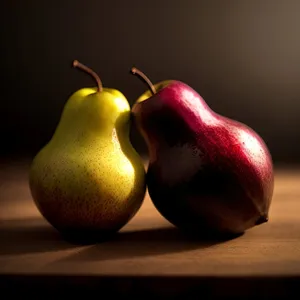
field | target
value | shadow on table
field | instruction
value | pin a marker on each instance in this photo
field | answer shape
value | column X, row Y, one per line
column 146, row 242
column 35, row 235
column 30, row 235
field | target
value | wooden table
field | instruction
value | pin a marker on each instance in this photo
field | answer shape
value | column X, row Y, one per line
column 149, row 257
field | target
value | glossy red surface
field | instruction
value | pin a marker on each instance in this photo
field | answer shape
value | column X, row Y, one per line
column 205, row 171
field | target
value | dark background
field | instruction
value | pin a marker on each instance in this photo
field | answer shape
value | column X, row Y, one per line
column 243, row 57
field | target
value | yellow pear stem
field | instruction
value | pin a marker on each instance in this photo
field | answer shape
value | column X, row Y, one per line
column 136, row 71
column 79, row 65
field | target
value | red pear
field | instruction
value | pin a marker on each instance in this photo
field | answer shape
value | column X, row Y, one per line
column 206, row 172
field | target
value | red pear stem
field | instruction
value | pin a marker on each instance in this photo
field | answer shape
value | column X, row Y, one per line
column 79, row 65
column 136, row 71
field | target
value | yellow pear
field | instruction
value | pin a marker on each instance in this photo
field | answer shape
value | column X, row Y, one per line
column 89, row 181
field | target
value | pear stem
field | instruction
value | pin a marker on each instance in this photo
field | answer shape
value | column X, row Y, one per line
column 79, row 65
column 135, row 71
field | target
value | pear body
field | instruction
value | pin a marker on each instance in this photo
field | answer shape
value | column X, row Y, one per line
column 89, row 179
column 206, row 173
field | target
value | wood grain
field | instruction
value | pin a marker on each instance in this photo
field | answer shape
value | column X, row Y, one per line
column 150, row 247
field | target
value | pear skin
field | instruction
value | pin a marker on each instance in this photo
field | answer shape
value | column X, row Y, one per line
column 207, row 174
column 89, row 180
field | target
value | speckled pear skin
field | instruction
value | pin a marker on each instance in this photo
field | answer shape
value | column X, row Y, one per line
column 89, row 180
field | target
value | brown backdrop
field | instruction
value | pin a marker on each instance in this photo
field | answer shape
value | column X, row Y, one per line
column 243, row 57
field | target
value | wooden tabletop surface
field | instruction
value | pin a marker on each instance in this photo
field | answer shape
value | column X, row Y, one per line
column 148, row 246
